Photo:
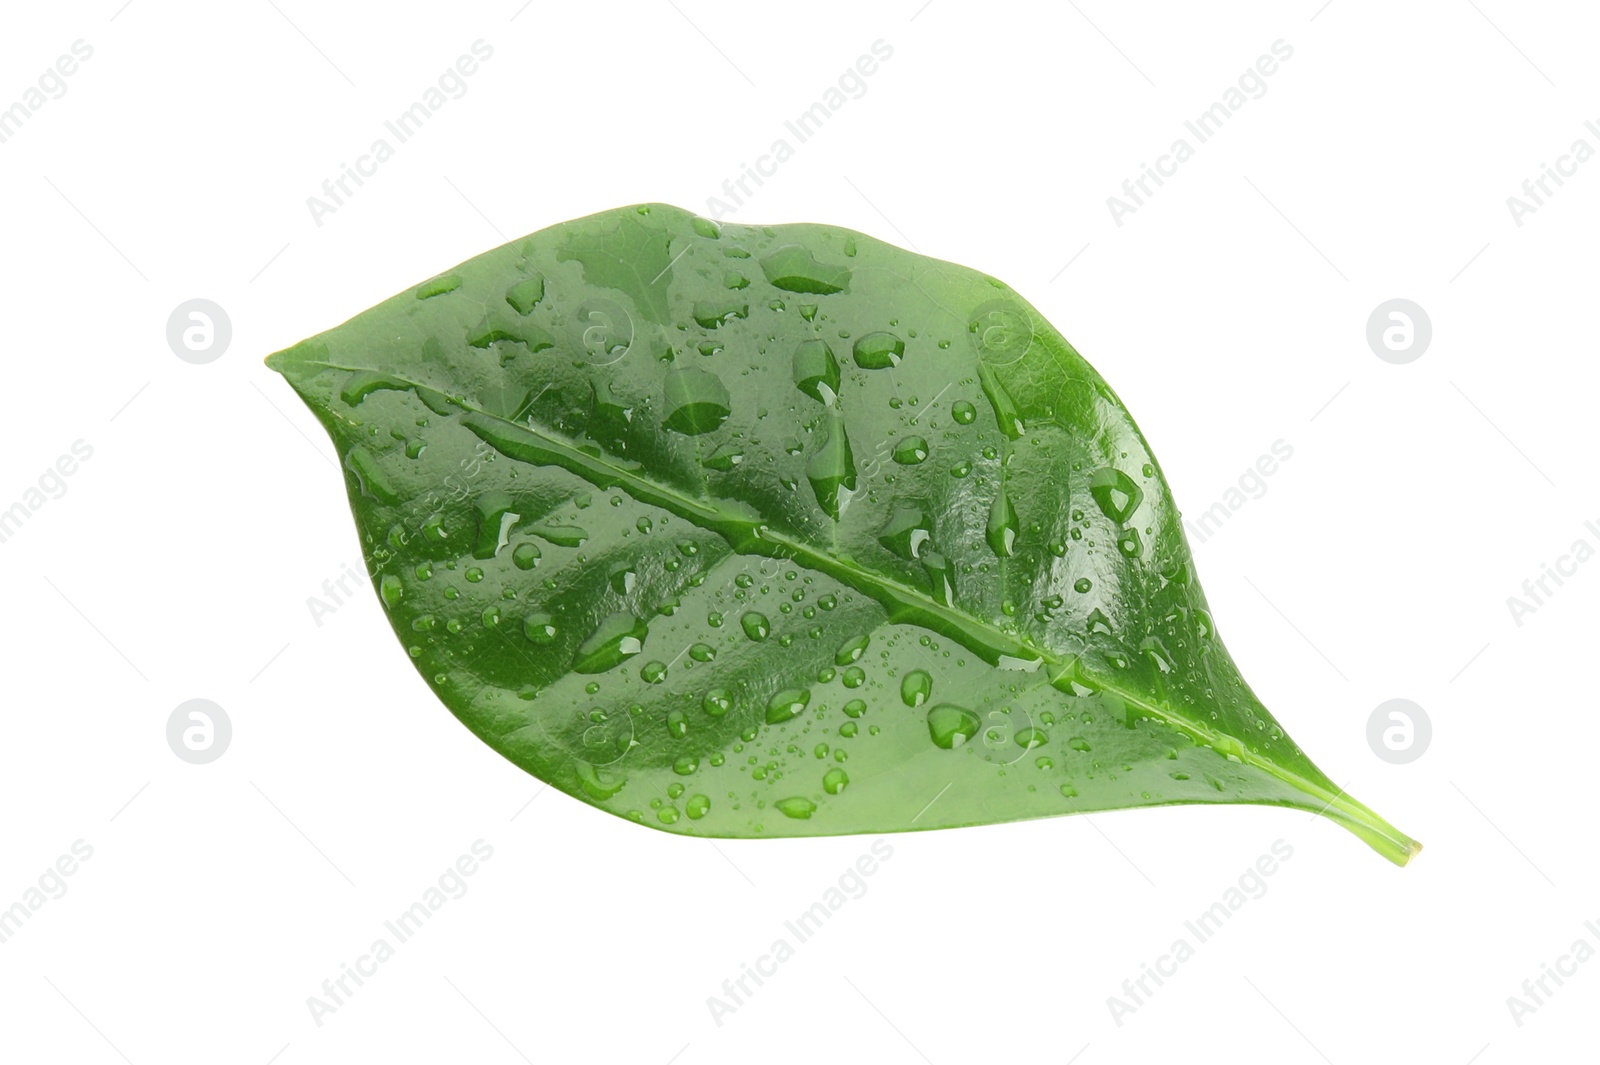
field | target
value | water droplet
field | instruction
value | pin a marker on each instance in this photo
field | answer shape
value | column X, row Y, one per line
column 854, row 677
column 391, row 590
column 1004, row 407
column 724, row 458
column 712, row 313
column 878, row 351
column 816, row 371
column 906, row 532
column 697, row 807
column 911, row 451
column 1099, row 624
column 963, row 412
column 525, row 294
column 915, row 687
column 851, row 650
column 616, row 639
column 539, row 627
column 623, row 577
column 832, row 471
column 855, row 708
column 941, row 574
column 1157, row 652
column 702, row 652
column 697, row 401
column 1116, row 493
column 1078, row 743
column 794, row 268
column 950, row 726
column 1129, row 543
column 786, row 704
column 560, row 535
column 798, row 808
column 1003, row 524
column 653, row 672
column 1082, row 584
column 496, row 517
column 755, row 625
column 438, row 286
column 717, row 702
column 834, row 781
column 1030, row 738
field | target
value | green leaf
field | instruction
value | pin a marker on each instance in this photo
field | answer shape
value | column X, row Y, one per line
column 778, row 531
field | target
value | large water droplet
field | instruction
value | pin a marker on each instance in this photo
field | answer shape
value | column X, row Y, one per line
column 834, row 781
column 615, row 640
column 878, row 351
column 713, row 313
column 1004, row 407
column 915, row 687
column 786, row 704
column 950, row 726
column 724, row 458
column 623, row 578
column 816, row 371
column 496, row 517
column 1029, row 738
column 832, row 471
column 906, row 532
column 525, row 294
column 560, row 535
column 697, row 401
column 1116, row 493
column 796, row 807
column 794, row 269
column 911, row 451
column 941, row 574
column 755, row 625
column 1003, row 525
column 539, row 627
column 850, row 650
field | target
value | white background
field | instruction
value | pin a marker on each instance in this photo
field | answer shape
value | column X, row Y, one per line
column 1229, row 312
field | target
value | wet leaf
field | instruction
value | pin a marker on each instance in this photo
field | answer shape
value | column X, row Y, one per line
column 775, row 531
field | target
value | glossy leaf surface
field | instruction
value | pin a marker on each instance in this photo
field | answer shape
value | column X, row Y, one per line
column 776, row 531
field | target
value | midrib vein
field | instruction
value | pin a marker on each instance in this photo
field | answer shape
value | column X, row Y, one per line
column 751, row 536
